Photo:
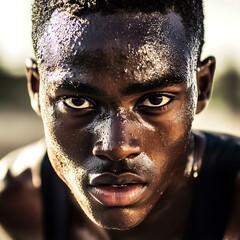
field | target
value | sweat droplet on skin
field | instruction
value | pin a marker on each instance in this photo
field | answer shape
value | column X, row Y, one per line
column 68, row 34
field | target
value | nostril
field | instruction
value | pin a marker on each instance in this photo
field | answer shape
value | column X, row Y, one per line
column 115, row 151
column 103, row 157
column 133, row 155
column 97, row 150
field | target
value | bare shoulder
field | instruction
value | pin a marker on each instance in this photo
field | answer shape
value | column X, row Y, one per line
column 20, row 201
column 23, row 164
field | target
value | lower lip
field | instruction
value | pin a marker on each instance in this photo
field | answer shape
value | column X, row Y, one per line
column 118, row 196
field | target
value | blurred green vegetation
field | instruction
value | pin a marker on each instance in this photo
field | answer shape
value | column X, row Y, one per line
column 19, row 125
column 227, row 90
column 13, row 90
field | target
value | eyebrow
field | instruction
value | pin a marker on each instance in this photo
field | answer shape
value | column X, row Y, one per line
column 162, row 82
column 133, row 88
column 80, row 87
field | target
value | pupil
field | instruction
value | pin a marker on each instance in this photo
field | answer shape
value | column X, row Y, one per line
column 78, row 101
column 155, row 100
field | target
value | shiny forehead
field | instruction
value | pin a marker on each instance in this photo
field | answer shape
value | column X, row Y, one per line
column 191, row 13
column 97, row 42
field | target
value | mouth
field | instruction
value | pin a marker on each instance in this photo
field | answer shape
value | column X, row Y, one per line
column 117, row 190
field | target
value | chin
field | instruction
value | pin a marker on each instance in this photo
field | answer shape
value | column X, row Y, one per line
column 118, row 226
column 120, row 219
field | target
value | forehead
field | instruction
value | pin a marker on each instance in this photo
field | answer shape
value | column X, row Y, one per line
column 136, row 42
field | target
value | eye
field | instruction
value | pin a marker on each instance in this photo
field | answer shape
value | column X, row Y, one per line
column 156, row 101
column 78, row 103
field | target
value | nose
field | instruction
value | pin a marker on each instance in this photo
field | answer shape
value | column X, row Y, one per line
column 117, row 140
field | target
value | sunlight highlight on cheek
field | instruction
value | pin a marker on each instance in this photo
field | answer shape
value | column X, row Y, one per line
column 74, row 179
column 73, row 175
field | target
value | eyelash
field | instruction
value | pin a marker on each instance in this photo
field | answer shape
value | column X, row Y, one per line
column 157, row 108
column 139, row 105
column 84, row 99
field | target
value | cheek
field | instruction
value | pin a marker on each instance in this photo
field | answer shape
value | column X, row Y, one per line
column 179, row 124
column 72, row 140
column 62, row 142
column 171, row 128
column 168, row 145
column 76, row 145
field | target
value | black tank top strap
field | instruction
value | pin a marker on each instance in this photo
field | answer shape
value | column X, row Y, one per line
column 214, row 188
column 55, row 200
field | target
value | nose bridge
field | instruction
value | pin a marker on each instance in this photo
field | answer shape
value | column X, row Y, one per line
column 119, row 130
column 116, row 139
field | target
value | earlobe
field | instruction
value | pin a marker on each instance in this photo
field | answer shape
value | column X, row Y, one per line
column 205, row 74
column 33, row 84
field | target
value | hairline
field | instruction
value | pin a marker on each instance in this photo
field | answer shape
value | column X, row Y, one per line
column 194, row 34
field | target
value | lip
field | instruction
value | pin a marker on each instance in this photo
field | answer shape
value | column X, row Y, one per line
column 120, row 190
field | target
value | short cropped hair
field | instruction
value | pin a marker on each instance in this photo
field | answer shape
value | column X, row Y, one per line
column 191, row 12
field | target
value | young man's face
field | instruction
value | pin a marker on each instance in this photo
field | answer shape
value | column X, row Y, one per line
column 117, row 98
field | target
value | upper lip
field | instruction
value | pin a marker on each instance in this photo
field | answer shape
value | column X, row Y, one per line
column 108, row 178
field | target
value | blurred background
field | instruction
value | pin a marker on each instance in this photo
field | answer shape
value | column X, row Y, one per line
column 18, row 123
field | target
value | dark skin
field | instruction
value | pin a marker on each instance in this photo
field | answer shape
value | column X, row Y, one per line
column 105, row 104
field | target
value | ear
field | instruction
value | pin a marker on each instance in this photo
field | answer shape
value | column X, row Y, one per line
column 33, row 84
column 205, row 74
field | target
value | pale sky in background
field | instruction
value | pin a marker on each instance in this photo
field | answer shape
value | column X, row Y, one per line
column 222, row 32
